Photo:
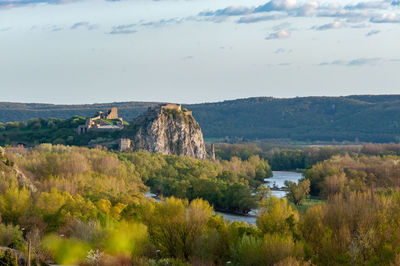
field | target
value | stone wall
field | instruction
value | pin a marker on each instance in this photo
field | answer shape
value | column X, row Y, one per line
column 124, row 144
column 112, row 113
column 171, row 106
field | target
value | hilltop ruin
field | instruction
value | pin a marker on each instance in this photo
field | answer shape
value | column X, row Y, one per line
column 107, row 121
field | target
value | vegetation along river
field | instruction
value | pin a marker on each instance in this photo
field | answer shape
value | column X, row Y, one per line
column 276, row 183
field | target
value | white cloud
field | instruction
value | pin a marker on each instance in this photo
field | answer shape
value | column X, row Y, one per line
column 330, row 26
column 282, row 34
column 277, row 5
column 386, row 18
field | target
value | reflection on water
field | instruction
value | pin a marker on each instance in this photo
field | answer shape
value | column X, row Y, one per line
column 279, row 177
column 239, row 218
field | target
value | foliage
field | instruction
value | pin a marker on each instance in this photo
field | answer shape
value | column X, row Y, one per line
column 11, row 236
column 342, row 174
column 14, row 203
column 277, row 216
column 297, row 193
column 66, row 251
column 175, row 226
column 88, row 208
column 7, row 258
column 225, row 184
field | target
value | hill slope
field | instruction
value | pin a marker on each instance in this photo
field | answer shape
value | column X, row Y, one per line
column 363, row 117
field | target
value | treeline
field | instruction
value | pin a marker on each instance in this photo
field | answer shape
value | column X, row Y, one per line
column 344, row 174
column 51, row 130
column 287, row 157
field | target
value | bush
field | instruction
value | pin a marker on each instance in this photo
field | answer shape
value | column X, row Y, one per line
column 11, row 236
column 8, row 259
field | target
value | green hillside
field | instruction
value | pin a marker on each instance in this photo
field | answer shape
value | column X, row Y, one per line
column 363, row 117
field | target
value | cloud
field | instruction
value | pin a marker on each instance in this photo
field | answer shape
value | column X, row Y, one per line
column 372, row 32
column 368, row 5
column 307, row 9
column 84, row 24
column 329, row 26
column 386, row 18
column 229, row 11
column 161, row 22
column 17, row 3
column 123, row 29
column 52, row 28
column 355, row 62
column 282, row 34
column 350, row 16
column 358, row 12
column 276, row 5
column 255, row 18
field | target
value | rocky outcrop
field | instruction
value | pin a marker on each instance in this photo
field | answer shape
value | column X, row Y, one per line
column 169, row 130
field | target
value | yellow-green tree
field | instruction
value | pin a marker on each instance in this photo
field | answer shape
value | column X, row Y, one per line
column 176, row 225
column 14, row 204
column 277, row 216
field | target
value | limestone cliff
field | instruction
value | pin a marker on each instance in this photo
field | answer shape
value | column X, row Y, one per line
column 169, row 130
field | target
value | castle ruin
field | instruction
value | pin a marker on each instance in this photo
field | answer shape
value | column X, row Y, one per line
column 107, row 121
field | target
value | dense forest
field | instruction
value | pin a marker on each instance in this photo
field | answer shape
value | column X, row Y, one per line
column 352, row 118
column 74, row 205
column 53, row 130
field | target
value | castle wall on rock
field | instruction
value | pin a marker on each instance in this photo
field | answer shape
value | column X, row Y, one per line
column 171, row 106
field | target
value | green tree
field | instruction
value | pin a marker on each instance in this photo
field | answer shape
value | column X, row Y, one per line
column 297, row 193
column 277, row 216
column 175, row 225
column 14, row 204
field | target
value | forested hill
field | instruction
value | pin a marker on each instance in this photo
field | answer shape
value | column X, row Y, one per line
column 363, row 117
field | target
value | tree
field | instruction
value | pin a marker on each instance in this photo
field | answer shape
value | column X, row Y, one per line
column 277, row 216
column 175, row 225
column 14, row 203
column 11, row 236
column 296, row 193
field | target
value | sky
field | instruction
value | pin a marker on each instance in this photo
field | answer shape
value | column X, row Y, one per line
column 193, row 51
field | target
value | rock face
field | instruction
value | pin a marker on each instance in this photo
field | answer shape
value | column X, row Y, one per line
column 167, row 129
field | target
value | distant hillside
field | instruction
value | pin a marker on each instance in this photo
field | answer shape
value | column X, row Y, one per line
column 10, row 112
column 362, row 117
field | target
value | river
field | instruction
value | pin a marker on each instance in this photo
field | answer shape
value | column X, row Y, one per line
column 276, row 183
